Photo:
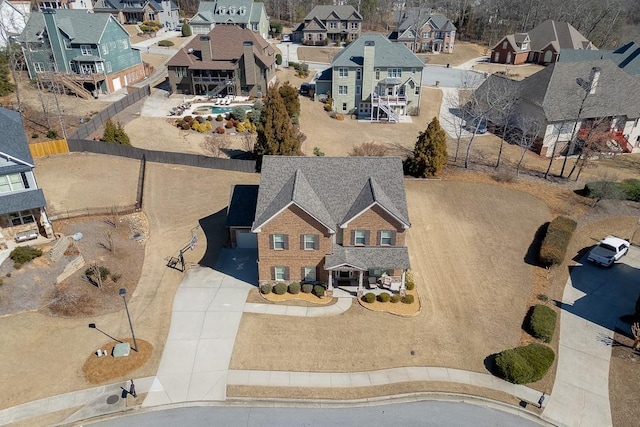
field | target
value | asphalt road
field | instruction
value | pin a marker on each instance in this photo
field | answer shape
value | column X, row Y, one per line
column 426, row 413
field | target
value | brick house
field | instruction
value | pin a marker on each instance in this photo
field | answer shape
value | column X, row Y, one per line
column 228, row 61
column 330, row 219
column 22, row 203
column 83, row 51
column 421, row 31
column 541, row 45
column 329, row 23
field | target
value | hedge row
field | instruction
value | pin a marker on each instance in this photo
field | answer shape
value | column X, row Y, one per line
column 523, row 365
column 294, row 288
column 629, row 189
column 370, row 297
column 555, row 242
column 542, row 322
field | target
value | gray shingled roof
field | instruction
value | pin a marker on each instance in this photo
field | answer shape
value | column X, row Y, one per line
column 16, row 202
column 626, row 56
column 242, row 206
column 324, row 11
column 368, row 258
column 556, row 91
column 81, row 26
column 420, row 16
column 209, row 11
column 14, row 141
column 562, row 32
column 114, row 5
column 331, row 189
column 387, row 53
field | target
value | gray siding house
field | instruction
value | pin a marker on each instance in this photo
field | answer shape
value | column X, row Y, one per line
column 375, row 79
column 244, row 13
column 166, row 12
column 228, row 61
column 22, row 203
column 82, row 51
column 335, row 23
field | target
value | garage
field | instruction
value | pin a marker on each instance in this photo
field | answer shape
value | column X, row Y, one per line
column 246, row 239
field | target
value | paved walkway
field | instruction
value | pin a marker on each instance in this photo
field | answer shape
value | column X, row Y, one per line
column 206, row 315
column 470, row 63
column 375, row 378
column 594, row 299
column 339, row 307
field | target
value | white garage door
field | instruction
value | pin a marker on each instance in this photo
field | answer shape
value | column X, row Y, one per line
column 246, row 239
column 116, row 84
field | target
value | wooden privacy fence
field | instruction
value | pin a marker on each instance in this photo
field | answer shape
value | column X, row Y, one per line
column 48, row 148
column 54, row 214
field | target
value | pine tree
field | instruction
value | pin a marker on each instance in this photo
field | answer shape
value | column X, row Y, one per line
column 430, row 153
column 121, row 136
column 290, row 97
column 110, row 130
column 276, row 135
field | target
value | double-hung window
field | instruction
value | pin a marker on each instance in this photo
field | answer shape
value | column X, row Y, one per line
column 20, row 218
column 343, row 72
column 394, row 72
column 342, row 90
column 359, row 237
column 309, row 242
column 309, row 274
column 280, row 273
column 181, row 71
column 279, row 241
column 85, row 49
column 386, row 238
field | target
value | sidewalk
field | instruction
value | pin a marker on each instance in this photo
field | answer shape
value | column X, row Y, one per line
column 339, row 307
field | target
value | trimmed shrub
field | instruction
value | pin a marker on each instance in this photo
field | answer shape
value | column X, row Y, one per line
column 384, row 297
column 395, row 298
column 219, row 118
column 408, row 299
column 369, row 297
column 188, row 119
column 280, row 288
column 629, row 189
column 240, row 128
column 542, row 322
column 209, row 118
column 165, row 43
column 307, row 288
column 186, row 29
column 327, row 106
column 24, row 254
column 220, row 130
column 318, row 290
column 200, row 119
column 238, row 113
column 230, row 124
column 523, row 365
column 265, row 288
column 104, row 272
column 52, row 134
column 294, row 288
column 555, row 242
column 409, row 281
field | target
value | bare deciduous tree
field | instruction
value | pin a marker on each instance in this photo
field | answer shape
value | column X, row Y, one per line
column 529, row 129
column 370, row 149
column 216, row 144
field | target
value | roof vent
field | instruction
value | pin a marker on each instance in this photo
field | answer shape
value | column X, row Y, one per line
column 190, row 50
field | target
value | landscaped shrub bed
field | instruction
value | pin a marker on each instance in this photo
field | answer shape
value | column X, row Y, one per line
column 384, row 297
column 369, row 297
column 266, row 288
column 318, row 290
column 408, row 299
column 280, row 288
column 294, row 288
column 555, row 242
column 522, row 365
column 542, row 322
column 629, row 189
column 395, row 298
column 24, row 254
column 307, row 288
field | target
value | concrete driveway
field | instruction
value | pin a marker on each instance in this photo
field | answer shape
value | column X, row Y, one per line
column 206, row 315
column 450, row 77
column 593, row 301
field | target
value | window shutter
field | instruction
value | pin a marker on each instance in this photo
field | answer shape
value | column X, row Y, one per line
column 393, row 237
column 316, row 241
column 286, row 273
column 302, row 274
column 367, row 236
column 286, row 241
column 273, row 273
column 302, row 242
column 270, row 241
column 353, row 237
column 379, row 238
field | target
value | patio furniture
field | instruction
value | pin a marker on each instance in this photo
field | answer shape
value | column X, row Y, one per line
column 23, row 236
column 373, row 282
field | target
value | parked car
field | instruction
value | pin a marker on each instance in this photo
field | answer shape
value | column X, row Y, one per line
column 608, row 251
column 307, row 89
column 286, row 37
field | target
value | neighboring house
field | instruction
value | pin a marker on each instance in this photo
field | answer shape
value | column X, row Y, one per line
column 64, row 4
column 375, row 79
column 244, row 13
column 228, row 61
column 334, row 23
column 85, row 52
column 166, row 12
column 541, row 45
column 626, row 56
column 22, row 203
column 571, row 99
column 328, row 220
column 421, row 31
column 13, row 18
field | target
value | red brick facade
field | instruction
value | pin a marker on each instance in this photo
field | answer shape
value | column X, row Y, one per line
column 127, row 76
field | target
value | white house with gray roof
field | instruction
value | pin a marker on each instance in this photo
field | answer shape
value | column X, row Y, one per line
column 166, row 12
column 330, row 220
column 22, row 203
column 375, row 79
column 244, row 13
column 572, row 101
column 327, row 22
column 422, row 31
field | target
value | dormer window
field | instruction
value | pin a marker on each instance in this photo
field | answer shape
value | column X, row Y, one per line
column 525, row 45
column 232, row 10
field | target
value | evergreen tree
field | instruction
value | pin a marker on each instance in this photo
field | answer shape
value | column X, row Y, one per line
column 121, row 136
column 276, row 135
column 291, row 100
column 186, row 29
column 6, row 86
column 430, row 153
column 110, row 130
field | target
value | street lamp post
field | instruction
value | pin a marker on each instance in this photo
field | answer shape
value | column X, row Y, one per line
column 123, row 294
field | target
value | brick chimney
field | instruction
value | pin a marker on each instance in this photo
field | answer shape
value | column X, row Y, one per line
column 205, row 48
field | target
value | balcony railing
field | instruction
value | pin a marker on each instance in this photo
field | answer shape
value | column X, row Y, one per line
column 211, row 79
column 613, row 135
column 389, row 99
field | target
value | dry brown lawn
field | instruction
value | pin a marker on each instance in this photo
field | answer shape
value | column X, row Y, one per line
column 515, row 72
column 463, row 318
column 463, row 52
column 624, row 382
column 103, row 370
column 322, row 54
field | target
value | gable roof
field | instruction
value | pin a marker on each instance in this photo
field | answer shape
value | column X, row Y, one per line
column 557, row 92
column 566, row 36
column 227, row 49
column 81, row 27
column 14, row 142
column 230, row 11
column 21, row 201
column 341, row 12
column 626, row 56
column 370, row 257
column 333, row 190
column 387, row 53
column 242, row 205
column 130, row 5
column 418, row 17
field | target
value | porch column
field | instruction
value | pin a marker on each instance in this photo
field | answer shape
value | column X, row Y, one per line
column 330, row 283
column 404, row 274
column 360, row 281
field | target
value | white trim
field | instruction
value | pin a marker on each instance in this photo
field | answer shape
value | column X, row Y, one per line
column 259, row 229
column 346, row 224
column 344, row 264
column 15, row 159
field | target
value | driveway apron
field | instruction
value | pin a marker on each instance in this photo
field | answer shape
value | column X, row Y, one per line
column 593, row 301
column 206, row 315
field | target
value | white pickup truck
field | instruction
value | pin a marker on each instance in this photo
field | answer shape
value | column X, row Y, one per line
column 608, row 251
